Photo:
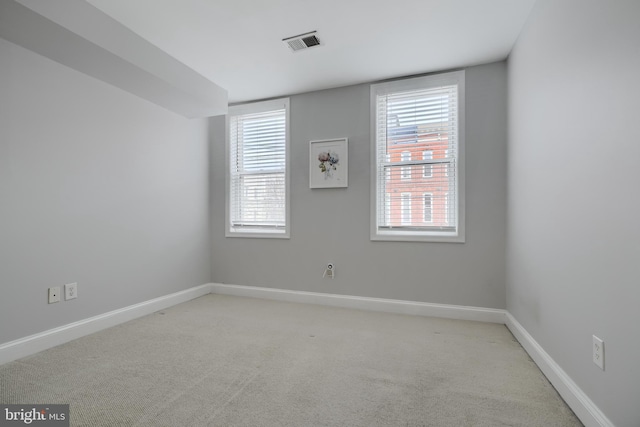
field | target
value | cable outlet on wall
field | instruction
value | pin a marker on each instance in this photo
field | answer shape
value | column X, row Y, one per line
column 330, row 271
column 598, row 352
column 70, row 291
column 54, row 294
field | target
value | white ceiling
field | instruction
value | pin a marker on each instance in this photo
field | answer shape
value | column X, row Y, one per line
column 238, row 45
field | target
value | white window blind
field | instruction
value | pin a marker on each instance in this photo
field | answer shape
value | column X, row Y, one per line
column 257, row 193
column 417, row 151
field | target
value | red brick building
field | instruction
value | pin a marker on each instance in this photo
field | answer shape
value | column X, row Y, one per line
column 416, row 192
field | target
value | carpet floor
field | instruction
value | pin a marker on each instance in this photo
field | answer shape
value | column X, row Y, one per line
column 230, row 361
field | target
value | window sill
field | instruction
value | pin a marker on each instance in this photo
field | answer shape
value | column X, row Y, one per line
column 258, row 233
column 412, row 236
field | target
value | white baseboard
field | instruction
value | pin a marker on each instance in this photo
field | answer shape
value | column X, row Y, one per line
column 578, row 401
column 32, row 344
column 480, row 314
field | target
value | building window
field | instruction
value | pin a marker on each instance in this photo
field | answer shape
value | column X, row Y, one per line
column 406, row 170
column 258, row 170
column 405, row 208
column 427, row 203
column 427, row 169
column 418, row 122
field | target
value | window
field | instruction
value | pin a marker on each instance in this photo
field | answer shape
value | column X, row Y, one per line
column 418, row 123
column 405, row 208
column 427, row 200
column 406, row 170
column 258, row 170
column 427, row 170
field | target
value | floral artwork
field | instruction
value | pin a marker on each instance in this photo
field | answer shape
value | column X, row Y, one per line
column 328, row 163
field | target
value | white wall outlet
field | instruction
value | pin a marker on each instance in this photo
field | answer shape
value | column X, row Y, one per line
column 70, row 291
column 598, row 352
column 54, row 294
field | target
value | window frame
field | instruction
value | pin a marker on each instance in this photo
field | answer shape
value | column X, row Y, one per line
column 255, row 108
column 400, row 234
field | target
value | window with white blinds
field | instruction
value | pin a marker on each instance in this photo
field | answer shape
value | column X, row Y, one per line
column 258, row 181
column 418, row 159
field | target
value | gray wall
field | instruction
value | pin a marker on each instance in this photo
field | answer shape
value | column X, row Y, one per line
column 97, row 187
column 574, row 153
column 333, row 224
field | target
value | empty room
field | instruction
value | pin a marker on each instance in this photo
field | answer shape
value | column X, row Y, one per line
column 338, row 213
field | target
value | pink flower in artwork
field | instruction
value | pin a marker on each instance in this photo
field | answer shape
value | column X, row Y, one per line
column 329, row 161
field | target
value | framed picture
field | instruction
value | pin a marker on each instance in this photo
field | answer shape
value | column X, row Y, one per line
column 329, row 163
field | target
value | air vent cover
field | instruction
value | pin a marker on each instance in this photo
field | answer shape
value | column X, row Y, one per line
column 302, row 41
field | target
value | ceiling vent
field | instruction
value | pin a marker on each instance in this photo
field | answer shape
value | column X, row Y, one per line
column 302, row 41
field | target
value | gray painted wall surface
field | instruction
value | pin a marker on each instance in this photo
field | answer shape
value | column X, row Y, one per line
column 574, row 151
column 97, row 187
column 333, row 224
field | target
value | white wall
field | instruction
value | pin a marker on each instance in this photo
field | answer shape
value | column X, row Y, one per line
column 333, row 224
column 97, row 187
column 574, row 176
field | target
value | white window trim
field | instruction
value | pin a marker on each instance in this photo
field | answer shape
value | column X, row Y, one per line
column 253, row 108
column 456, row 77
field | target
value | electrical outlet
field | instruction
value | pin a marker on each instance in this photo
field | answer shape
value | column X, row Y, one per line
column 70, row 291
column 54, row 294
column 598, row 352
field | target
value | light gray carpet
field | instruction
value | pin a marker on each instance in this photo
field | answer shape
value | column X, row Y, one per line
column 229, row 361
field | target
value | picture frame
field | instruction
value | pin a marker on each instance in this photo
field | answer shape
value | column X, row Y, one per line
column 329, row 163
